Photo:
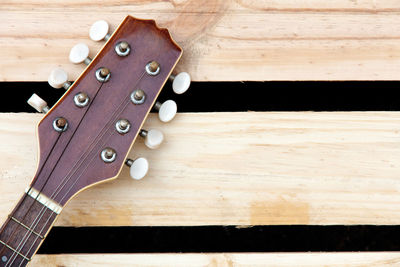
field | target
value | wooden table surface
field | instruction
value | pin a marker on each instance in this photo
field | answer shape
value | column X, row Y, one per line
column 247, row 168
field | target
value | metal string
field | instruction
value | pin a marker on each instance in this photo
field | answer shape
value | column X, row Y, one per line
column 48, row 219
column 66, row 179
column 47, row 179
column 25, row 195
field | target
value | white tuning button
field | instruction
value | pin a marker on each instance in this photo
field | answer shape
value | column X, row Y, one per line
column 59, row 78
column 166, row 110
column 37, row 103
column 152, row 138
column 99, row 31
column 80, row 53
column 138, row 167
column 180, row 82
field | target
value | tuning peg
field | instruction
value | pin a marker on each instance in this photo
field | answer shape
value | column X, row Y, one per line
column 80, row 53
column 180, row 82
column 166, row 110
column 59, row 78
column 138, row 167
column 99, row 31
column 37, row 103
column 152, row 138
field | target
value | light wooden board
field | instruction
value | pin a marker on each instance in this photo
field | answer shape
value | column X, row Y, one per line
column 236, row 169
column 222, row 39
column 353, row 259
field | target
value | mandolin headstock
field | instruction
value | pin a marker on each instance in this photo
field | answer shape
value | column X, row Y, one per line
column 86, row 136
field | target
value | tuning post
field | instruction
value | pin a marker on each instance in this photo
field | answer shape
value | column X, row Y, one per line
column 122, row 49
column 153, row 68
column 166, row 110
column 180, row 82
column 108, row 155
column 99, row 31
column 138, row 167
column 38, row 103
column 152, row 138
column 58, row 78
column 122, row 126
column 80, row 53
column 138, row 96
column 60, row 124
column 81, row 99
column 103, row 74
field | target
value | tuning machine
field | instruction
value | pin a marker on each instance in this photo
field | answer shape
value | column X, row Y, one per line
column 99, row 31
column 152, row 138
column 79, row 53
column 38, row 103
column 138, row 168
column 58, row 78
column 180, row 82
column 166, row 110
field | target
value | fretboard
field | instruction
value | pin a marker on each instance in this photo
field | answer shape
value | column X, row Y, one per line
column 24, row 230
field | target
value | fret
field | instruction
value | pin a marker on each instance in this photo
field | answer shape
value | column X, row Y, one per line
column 26, row 227
column 9, row 257
column 15, row 251
column 24, row 230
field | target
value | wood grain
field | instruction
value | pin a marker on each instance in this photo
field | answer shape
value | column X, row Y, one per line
column 350, row 259
column 75, row 153
column 236, row 169
column 223, row 40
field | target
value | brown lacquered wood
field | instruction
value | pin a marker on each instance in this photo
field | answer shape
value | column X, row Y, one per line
column 24, row 231
column 70, row 161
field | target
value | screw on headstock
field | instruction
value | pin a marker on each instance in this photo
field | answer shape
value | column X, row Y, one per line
column 81, row 99
column 60, row 124
column 108, row 155
column 153, row 68
column 103, row 74
column 122, row 49
column 138, row 96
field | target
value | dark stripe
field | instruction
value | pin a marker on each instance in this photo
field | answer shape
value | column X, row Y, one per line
column 295, row 238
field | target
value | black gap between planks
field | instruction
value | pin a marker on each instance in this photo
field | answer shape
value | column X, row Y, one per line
column 232, row 96
column 244, row 96
column 294, row 238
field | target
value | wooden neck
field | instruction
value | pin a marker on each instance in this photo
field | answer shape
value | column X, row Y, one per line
column 24, row 230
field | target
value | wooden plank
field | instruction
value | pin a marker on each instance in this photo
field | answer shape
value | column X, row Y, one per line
column 305, row 259
column 223, row 40
column 251, row 168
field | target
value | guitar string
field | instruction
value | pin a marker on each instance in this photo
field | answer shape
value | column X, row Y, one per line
column 76, row 169
column 41, row 189
column 23, row 199
column 107, row 125
column 108, row 128
column 66, row 194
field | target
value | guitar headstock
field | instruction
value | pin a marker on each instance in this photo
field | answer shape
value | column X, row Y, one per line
column 86, row 136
